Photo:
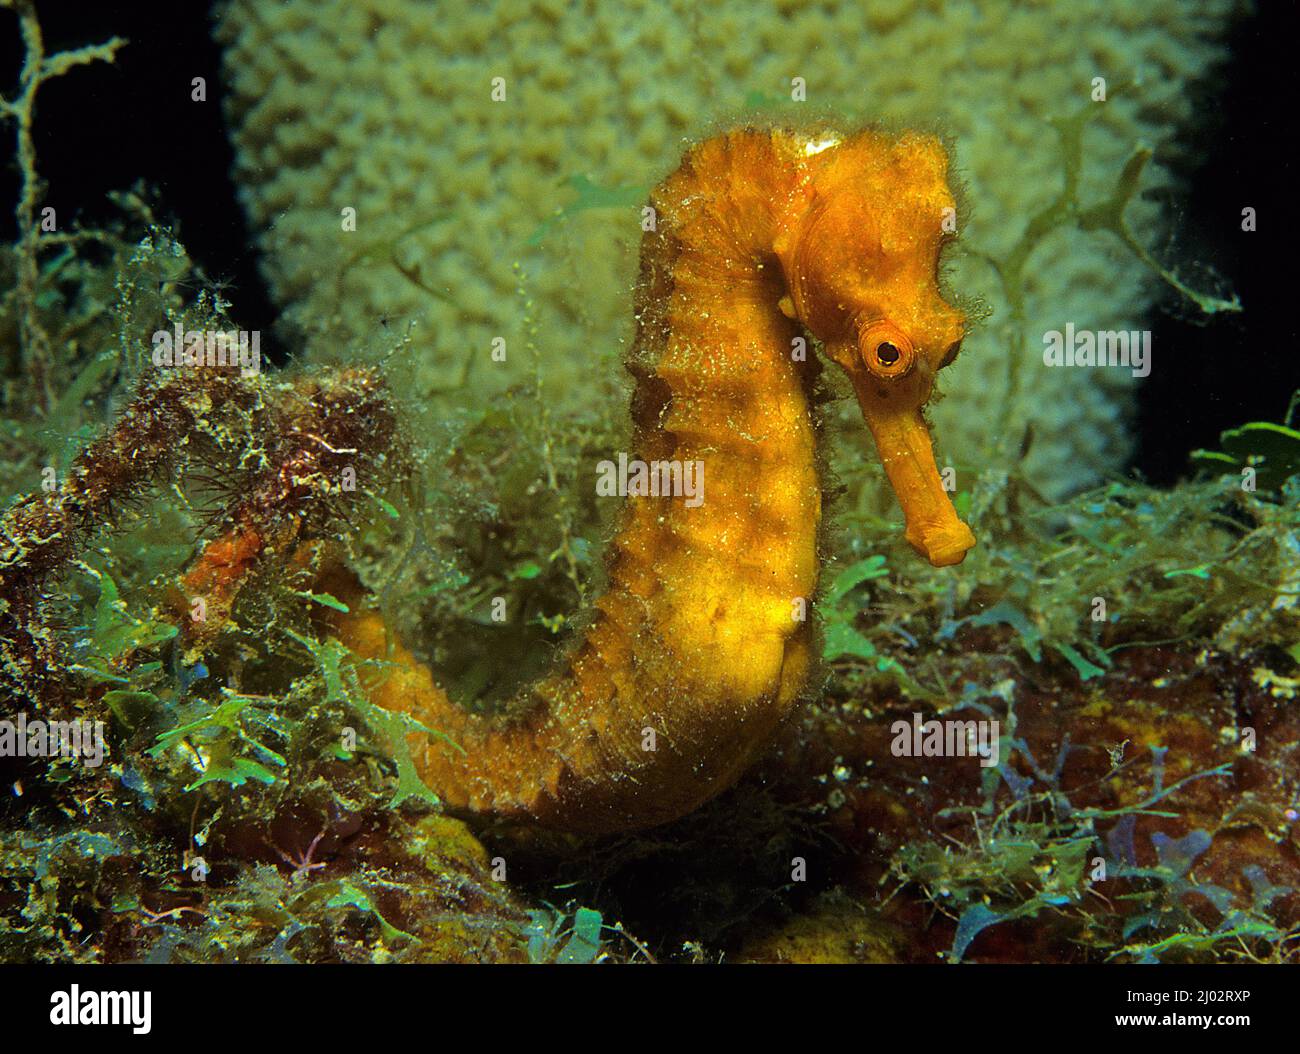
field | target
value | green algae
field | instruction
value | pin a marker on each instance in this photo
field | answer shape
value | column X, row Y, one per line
column 1265, row 453
column 1030, row 850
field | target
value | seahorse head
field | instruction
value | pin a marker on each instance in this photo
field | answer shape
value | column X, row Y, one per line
column 860, row 251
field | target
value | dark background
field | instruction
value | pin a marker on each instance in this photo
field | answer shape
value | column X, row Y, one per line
column 104, row 128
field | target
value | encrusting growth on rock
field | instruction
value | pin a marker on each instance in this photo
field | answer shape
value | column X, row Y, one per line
column 282, row 449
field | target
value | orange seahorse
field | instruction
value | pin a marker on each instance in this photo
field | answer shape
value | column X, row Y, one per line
column 696, row 654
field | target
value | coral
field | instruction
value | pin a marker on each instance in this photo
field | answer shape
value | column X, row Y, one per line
column 387, row 107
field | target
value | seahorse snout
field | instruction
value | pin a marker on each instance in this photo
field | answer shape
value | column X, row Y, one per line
column 903, row 441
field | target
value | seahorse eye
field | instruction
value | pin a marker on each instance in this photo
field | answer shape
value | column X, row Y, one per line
column 886, row 350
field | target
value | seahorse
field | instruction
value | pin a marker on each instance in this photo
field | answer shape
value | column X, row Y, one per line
column 697, row 652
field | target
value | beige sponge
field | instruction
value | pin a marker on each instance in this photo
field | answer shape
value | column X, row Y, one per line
column 404, row 161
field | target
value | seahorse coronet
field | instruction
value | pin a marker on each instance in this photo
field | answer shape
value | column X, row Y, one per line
column 698, row 651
